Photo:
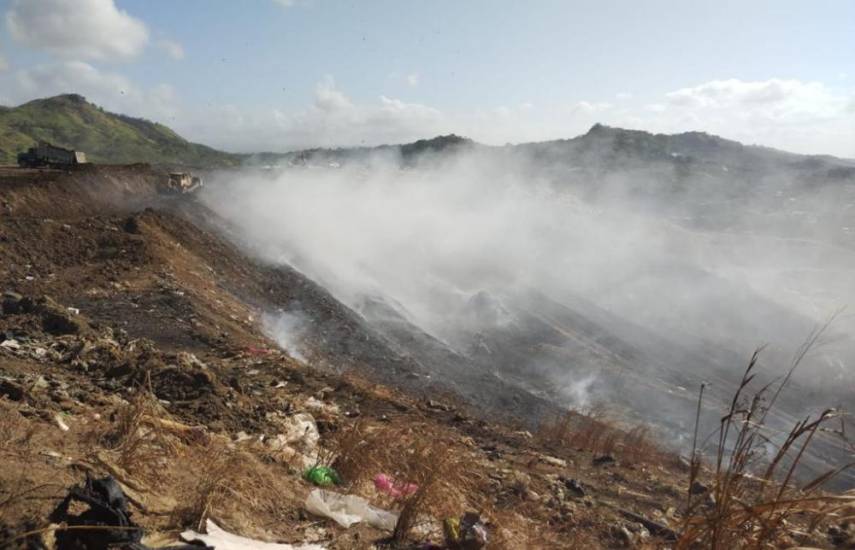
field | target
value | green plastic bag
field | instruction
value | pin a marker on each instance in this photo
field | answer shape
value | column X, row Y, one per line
column 322, row 476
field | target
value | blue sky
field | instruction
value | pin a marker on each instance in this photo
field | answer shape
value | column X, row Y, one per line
column 280, row 74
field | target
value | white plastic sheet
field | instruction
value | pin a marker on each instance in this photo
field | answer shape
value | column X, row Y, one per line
column 349, row 509
column 223, row 540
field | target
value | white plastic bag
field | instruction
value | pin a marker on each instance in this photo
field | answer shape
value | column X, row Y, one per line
column 349, row 509
column 302, row 431
column 223, row 540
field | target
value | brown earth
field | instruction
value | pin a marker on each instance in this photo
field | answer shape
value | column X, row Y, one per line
column 135, row 326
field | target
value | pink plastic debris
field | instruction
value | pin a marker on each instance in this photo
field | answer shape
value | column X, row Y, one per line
column 392, row 488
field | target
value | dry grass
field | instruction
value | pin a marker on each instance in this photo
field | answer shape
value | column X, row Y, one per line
column 15, row 431
column 352, row 452
column 595, row 433
column 416, row 454
column 445, row 479
column 756, row 502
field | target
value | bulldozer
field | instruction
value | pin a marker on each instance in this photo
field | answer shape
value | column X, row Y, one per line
column 181, row 183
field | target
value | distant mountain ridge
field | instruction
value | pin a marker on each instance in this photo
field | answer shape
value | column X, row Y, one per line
column 71, row 121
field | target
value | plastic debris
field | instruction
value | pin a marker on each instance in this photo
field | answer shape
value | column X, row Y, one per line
column 322, row 476
column 347, row 510
column 61, row 423
column 302, row 431
column 465, row 533
column 10, row 343
column 107, row 507
column 223, row 540
column 386, row 484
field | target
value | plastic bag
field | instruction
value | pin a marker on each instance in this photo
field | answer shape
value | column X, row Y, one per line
column 348, row 509
column 322, row 476
column 393, row 488
column 223, row 540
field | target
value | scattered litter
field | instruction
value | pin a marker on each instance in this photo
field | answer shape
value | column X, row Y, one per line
column 10, row 344
column 347, row 510
column 656, row 529
column 107, row 507
column 316, row 405
column 242, row 436
column 313, row 404
column 302, row 430
column 12, row 390
column 322, row 476
column 574, row 487
column 698, row 488
column 554, row 461
column 61, row 423
column 252, row 350
column 393, row 488
column 51, row 454
column 465, row 533
column 73, row 310
column 604, row 459
column 223, row 540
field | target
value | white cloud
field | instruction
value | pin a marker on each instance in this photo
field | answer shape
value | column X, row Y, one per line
column 172, row 48
column 623, row 96
column 286, row 3
column 3, row 63
column 589, row 107
column 328, row 98
column 80, row 29
column 774, row 98
column 795, row 116
column 788, row 114
column 112, row 91
column 333, row 119
column 784, row 113
column 413, row 79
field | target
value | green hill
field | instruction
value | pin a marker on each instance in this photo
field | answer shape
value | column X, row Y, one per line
column 71, row 121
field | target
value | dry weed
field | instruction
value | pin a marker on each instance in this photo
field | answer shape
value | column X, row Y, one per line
column 595, row 433
column 754, row 500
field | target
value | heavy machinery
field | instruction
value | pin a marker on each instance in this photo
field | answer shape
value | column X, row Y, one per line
column 181, row 183
column 45, row 154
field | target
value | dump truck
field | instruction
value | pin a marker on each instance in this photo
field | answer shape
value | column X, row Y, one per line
column 45, row 154
column 181, row 183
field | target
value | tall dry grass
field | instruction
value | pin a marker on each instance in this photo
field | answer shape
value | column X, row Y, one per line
column 754, row 500
column 593, row 432
column 419, row 454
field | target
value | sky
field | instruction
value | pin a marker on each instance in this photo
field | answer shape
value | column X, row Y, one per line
column 278, row 75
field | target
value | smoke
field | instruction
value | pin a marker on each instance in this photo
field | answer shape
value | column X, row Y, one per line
column 485, row 249
column 287, row 329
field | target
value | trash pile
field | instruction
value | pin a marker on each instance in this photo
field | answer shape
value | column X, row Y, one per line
column 105, row 523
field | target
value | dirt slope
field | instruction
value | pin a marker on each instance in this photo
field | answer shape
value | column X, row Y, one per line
column 132, row 347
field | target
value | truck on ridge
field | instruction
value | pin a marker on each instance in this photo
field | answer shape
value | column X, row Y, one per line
column 45, row 154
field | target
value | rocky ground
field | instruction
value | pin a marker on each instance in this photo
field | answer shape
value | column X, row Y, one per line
column 131, row 346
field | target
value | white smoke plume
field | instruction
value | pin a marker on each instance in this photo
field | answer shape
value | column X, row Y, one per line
column 429, row 238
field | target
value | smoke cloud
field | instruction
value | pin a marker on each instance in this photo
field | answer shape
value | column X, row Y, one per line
column 492, row 248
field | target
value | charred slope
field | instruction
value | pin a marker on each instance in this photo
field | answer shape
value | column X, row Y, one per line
column 166, row 274
column 336, row 335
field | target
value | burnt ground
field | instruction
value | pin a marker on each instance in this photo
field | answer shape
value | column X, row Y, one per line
column 126, row 305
